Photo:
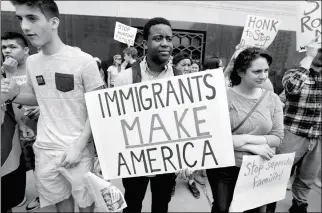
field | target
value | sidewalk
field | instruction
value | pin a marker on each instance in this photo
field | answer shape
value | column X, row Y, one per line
column 182, row 201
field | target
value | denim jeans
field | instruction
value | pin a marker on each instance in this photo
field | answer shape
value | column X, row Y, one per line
column 222, row 183
column 307, row 161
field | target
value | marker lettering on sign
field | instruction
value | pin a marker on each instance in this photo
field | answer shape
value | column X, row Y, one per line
column 161, row 96
column 144, row 157
column 157, row 124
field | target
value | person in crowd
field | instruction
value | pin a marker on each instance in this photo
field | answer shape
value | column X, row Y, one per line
column 182, row 62
column 195, row 66
column 15, row 50
column 130, row 57
column 255, row 132
column 267, row 84
column 157, row 34
column 99, row 66
column 13, row 171
column 303, row 91
column 55, row 76
column 114, row 70
column 212, row 63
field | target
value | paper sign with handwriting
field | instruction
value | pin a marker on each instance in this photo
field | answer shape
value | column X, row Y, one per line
column 261, row 182
column 259, row 32
column 162, row 126
column 124, row 33
column 308, row 23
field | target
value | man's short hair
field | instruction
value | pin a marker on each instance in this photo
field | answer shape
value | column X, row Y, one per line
column 47, row 7
column 21, row 40
column 131, row 51
column 152, row 22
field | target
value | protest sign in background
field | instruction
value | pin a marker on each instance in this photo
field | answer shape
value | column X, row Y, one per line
column 124, row 33
column 261, row 182
column 309, row 23
column 259, row 32
column 162, row 126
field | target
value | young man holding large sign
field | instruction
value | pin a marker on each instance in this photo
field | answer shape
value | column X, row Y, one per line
column 158, row 41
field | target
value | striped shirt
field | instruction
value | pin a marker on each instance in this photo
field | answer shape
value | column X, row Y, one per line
column 303, row 90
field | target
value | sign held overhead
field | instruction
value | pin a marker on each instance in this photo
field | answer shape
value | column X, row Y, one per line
column 259, row 32
column 124, row 33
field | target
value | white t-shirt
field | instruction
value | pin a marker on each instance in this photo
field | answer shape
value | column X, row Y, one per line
column 59, row 82
column 113, row 72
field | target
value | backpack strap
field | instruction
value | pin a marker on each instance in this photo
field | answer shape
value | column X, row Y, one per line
column 136, row 73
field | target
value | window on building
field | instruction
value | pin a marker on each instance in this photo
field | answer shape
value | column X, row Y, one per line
column 191, row 42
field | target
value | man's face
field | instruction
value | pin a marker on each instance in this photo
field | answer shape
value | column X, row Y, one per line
column 159, row 45
column 34, row 25
column 127, row 58
column 11, row 48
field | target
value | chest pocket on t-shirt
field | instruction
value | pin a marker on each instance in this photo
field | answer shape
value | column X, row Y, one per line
column 64, row 82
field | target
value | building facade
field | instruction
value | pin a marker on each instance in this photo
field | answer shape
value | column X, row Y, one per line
column 202, row 28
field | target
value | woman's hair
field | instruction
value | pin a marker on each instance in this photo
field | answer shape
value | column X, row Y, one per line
column 211, row 63
column 114, row 57
column 244, row 61
column 179, row 57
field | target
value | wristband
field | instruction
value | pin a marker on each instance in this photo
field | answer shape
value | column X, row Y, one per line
column 10, row 101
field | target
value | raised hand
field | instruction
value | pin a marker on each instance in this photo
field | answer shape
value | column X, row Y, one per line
column 10, row 64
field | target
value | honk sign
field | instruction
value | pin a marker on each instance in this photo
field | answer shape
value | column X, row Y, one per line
column 259, row 32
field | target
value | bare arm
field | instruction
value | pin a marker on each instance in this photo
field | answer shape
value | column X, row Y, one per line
column 26, row 96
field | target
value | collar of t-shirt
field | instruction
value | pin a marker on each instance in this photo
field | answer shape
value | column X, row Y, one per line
column 149, row 72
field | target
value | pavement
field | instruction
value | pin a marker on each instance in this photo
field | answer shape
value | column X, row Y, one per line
column 182, row 201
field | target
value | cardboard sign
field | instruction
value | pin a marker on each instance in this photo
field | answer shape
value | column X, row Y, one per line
column 162, row 126
column 309, row 23
column 259, row 32
column 124, row 33
column 261, row 182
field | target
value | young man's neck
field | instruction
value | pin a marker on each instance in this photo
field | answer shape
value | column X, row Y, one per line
column 153, row 67
column 52, row 47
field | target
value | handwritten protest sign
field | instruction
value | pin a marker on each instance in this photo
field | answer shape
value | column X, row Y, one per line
column 261, row 182
column 124, row 33
column 259, row 32
column 309, row 23
column 162, row 126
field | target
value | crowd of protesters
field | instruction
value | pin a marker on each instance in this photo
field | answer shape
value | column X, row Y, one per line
column 45, row 127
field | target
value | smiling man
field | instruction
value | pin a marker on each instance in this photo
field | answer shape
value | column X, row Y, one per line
column 57, row 78
column 157, row 35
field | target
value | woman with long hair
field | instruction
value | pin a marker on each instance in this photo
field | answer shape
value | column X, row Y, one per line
column 262, row 130
column 114, row 70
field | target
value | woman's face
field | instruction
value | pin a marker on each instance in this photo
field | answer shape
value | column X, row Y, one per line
column 184, row 66
column 256, row 74
column 194, row 68
column 118, row 60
